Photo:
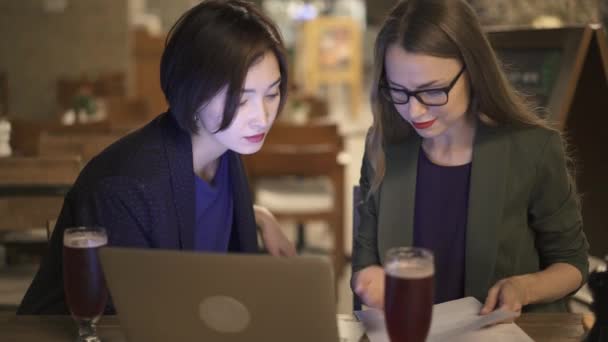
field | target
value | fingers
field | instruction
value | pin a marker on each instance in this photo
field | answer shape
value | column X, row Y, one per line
column 368, row 284
column 360, row 286
column 289, row 250
column 491, row 300
column 511, row 306
column 282, row 251
column 370, row 294
column 274, row 251
column 505, row 294
column 365, row 293
column 374, row 298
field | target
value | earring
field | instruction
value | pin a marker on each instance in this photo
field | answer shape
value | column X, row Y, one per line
column 196, row 118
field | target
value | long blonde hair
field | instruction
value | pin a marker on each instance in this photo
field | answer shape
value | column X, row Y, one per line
column 447, row 29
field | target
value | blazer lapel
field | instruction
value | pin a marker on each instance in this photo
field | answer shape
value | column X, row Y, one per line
column 244, row 220
column 486, row 199
column 179, row 153
column 397, row 197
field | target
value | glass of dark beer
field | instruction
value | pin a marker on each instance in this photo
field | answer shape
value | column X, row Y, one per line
column 84, row 283
column 408, row 293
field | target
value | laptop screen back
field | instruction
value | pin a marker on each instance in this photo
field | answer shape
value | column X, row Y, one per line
column 187, row 296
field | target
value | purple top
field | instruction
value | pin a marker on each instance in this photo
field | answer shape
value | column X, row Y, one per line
column 440, row 221
column 213, row 210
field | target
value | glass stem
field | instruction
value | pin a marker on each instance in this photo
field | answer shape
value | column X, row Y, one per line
column 87, row 331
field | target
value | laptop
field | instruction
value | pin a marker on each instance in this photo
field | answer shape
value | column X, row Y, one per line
column 187, row 296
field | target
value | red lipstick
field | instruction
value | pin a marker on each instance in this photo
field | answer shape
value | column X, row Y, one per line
column 424, row 125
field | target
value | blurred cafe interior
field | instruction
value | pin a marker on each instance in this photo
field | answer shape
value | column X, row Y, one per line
column 76, row 75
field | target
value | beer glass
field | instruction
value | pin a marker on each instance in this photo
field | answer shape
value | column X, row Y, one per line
column 84, row 283
column 408, row 293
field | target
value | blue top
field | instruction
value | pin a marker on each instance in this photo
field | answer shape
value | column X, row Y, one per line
column 213, row 210
column 440, row 221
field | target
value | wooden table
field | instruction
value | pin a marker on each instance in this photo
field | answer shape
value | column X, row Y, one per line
column 558, row 327
column 53, row 328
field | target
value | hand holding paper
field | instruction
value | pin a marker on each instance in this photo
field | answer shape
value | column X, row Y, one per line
column 507, row 294
column 458, row 320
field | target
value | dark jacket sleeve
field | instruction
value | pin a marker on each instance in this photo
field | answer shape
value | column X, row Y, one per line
column 365, row 237
column 555, row 213
column 113, row 206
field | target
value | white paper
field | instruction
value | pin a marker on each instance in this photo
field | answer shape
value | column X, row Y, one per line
column 350, row 328
column 458, row 320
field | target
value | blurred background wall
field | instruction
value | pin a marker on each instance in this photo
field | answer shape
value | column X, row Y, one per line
column 42, row 40
column 525, row 12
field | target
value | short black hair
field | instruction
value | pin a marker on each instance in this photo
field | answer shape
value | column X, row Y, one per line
column 211, row 46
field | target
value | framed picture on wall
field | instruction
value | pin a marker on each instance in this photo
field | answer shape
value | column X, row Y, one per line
column 329, row 52
column 335, row 47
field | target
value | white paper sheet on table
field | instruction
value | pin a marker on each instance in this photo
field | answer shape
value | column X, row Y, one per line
column 457, row 320
column 350, row 329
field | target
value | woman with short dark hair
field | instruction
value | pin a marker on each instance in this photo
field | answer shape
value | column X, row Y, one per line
column 178, row 182
column 458, row 163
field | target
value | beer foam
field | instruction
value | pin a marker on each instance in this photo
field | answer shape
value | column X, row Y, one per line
column 410, row 269
column 85, row 240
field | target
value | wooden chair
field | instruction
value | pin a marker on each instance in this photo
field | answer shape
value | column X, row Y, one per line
column 303, row 152
column 32, row 190
column 25, row 134
column 83, row 144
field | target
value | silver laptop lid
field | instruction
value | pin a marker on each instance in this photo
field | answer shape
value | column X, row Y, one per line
column 187, row 296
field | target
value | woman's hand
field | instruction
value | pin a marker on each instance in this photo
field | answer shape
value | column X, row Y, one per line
column 507, row 294
column 368, row 284
column 550, row 284
column 274, row 239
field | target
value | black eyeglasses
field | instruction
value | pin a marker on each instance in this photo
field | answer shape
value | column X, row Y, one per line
column 429, row 97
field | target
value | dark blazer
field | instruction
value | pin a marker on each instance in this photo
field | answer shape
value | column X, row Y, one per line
column 523, row 212
column 141, row 189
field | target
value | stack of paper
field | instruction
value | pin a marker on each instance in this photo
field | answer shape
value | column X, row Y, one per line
column 458, row 320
